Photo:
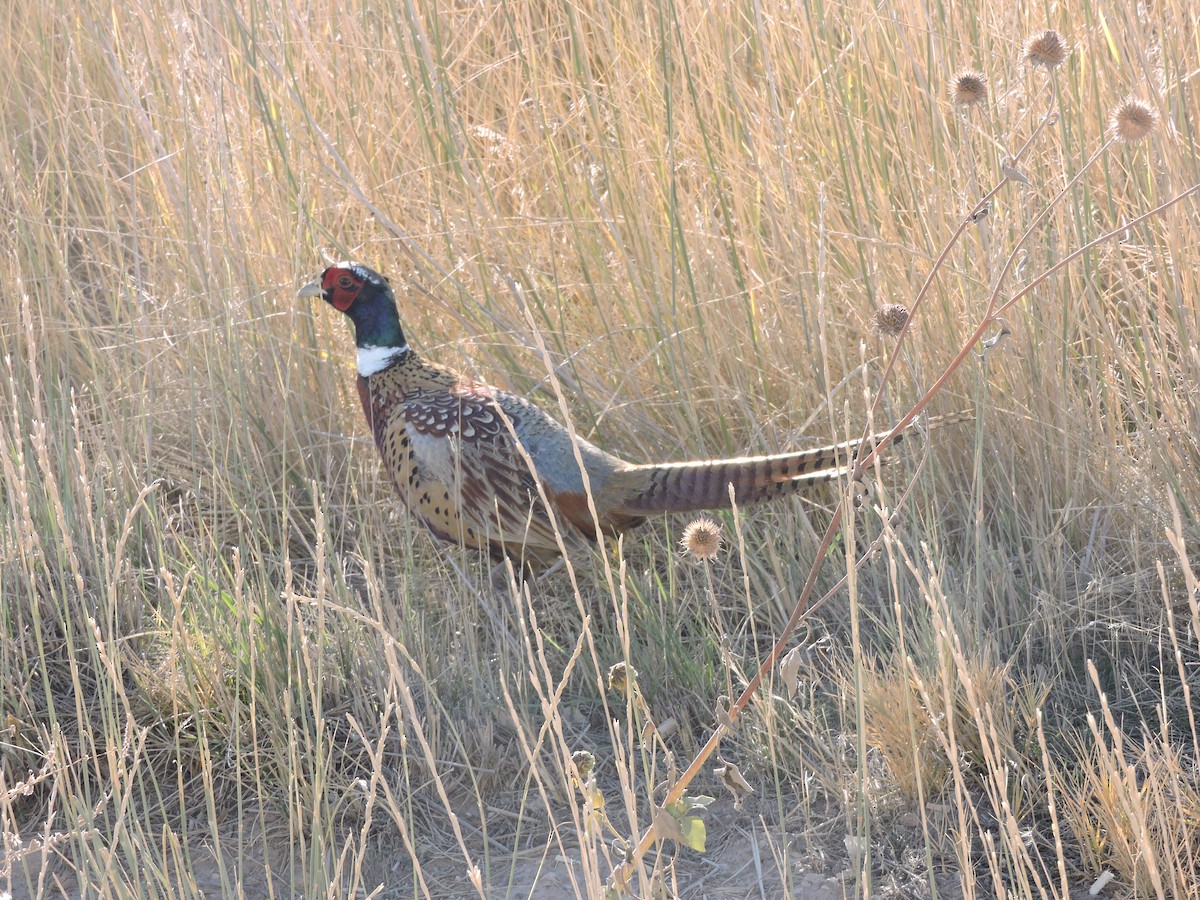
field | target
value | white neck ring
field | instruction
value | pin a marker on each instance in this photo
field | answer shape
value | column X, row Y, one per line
column 376, row 359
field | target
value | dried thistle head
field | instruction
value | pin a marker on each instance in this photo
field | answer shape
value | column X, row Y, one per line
column 968, row 87
column 621, row 676
column 1132, row 120
column 889, row 320
column 702, row 538
column 585, row 763
column 1046, row 49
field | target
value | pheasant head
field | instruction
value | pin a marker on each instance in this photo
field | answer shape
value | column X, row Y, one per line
column 366, row 297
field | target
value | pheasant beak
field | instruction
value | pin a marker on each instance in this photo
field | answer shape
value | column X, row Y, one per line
column 312, row 289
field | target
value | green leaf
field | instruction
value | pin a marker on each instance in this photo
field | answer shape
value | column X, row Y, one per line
column 694, row 832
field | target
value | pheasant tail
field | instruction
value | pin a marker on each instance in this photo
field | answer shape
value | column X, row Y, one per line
column 704, row 484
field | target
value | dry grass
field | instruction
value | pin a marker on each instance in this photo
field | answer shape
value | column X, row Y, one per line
column 229, row 665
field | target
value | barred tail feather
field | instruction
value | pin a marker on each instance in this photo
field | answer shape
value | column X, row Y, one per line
column 704, row 484
column 685, row 487
column 690, row 486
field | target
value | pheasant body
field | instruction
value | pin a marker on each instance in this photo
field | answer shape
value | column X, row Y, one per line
column 448, row 445
column 490, row 471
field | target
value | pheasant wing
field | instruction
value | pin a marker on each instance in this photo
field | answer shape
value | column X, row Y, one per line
column 463, row 440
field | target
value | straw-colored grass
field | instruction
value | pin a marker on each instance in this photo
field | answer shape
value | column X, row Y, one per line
column 231, row 665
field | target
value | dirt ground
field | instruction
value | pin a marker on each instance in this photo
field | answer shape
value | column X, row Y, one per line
column 737, row 865
column 742, row 861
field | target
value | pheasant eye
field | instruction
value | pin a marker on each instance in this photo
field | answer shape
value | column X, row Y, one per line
column 345, row 282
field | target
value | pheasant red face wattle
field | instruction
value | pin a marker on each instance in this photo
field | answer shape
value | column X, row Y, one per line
column 341, row 287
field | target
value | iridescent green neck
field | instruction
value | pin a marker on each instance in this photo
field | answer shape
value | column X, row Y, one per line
column 377, row 333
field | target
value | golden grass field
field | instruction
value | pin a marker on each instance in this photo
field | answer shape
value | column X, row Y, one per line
column 231, row 665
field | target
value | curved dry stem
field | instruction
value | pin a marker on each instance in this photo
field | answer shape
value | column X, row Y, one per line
column 803, row 608
column 1034, row 226
column 1075, row 254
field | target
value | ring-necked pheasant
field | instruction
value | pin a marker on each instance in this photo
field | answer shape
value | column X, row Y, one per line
column 450, row 445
